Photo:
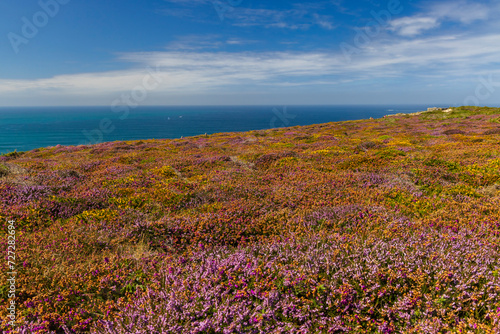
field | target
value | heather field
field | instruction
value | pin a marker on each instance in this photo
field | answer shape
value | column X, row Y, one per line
column 385, row 225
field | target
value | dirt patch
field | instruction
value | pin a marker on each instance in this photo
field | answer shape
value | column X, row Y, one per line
column 243, row 163
column 12, row 169
column 491, row 191
column 367, row 145
column 15, row 174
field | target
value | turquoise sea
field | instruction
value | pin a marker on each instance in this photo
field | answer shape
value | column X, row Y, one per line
column 26, row 128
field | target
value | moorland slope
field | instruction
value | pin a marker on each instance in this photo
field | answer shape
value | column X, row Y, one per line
column 372, row 226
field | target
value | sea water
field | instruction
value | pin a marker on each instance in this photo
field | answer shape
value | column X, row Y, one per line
column 26, row 128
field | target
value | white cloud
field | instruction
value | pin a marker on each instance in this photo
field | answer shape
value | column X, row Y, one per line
column 297, row 18
column 235, row 41
column 195, row 42
column 412, row 26
column 447, row 58
column 268, row 18
column 463, row 12
column 324, row 21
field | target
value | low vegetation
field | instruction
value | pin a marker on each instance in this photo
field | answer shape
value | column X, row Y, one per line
column 389, row 225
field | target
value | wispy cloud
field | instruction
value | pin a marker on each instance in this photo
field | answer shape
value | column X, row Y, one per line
column 205, row 42
column 324, row 21
column 300, row 16
column 412, row 26
column 288, row 19
column 463, row 11
column 196, row 42
column 448, row 58
column 434, row 16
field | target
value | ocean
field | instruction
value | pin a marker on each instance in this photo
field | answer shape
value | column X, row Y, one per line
column 27, row 128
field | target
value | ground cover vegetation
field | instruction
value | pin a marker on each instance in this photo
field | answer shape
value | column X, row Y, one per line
column 387, row 225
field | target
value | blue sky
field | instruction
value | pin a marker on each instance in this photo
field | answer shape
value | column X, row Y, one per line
column 226, row 52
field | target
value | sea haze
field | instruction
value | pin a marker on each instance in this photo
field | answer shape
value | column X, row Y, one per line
column 27, row 128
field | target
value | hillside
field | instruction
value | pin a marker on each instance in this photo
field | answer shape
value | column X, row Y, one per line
column 372, row 226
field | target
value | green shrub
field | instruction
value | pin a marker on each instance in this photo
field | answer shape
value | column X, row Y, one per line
column 390, row 153
column 450, row 165
column 4, row 171
column 14, row 154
